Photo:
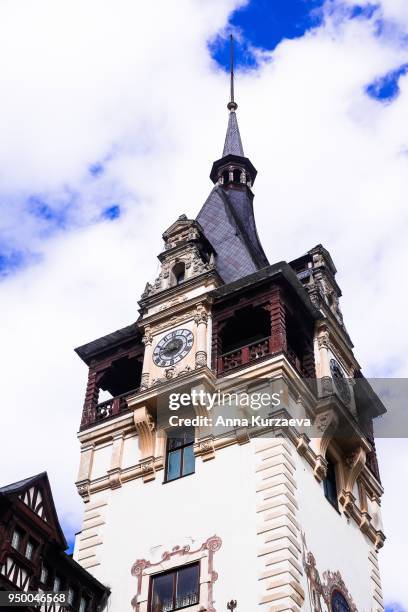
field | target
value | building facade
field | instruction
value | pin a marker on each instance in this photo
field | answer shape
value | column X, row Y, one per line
column 32, row 550
column 281, row 514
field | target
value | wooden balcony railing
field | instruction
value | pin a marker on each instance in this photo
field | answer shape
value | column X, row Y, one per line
column 113, row 405
column 251, row 352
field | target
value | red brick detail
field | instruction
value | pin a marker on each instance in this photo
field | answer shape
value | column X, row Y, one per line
column 276, row 309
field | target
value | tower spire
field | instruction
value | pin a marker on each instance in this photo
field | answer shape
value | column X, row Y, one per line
column 232, row 105
column 233, row 143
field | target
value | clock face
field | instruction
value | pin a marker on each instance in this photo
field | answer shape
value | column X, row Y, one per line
column 340, row 382
column 173, row 348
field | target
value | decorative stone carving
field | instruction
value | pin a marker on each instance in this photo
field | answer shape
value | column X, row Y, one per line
column 200, row 316
column 205, row 449
column 334, row 582
column 323, row 340
column 142, row 569
column 145, row 426
column 147, row 467
column 331, row 584
column 148, row 337
column 200, row 359
column 114, row 475
column 355, row 463
column 83, row 489
column 325, row 424
column 144, row 381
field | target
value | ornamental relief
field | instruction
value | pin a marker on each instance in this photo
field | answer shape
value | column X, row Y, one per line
column 178, row 556
column 194, row 266
column 329, row 594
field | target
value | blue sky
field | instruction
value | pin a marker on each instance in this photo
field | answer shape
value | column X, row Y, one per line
column 258, row 25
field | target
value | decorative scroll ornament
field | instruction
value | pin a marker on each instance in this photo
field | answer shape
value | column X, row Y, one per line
column 323, row 341
column 142, row 568
column 331, row 589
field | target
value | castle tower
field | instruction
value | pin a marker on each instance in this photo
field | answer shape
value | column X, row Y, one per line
column 281, row 513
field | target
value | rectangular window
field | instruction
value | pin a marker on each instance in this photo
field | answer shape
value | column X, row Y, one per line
column 180, row 453
column 330, row 485
column 29, row 551
column 16, row 539
column 57, row 584
column 82, row 604
column 176, row 589
column 44, row 574
column 70, row 597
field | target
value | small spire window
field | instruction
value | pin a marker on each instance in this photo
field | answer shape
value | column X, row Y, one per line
column 237, row 176
column 178, row 273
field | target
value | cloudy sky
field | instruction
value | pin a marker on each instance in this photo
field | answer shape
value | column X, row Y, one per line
column 111, row 114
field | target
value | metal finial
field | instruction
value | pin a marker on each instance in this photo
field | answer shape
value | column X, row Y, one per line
column 231, row 605
column 232, row 105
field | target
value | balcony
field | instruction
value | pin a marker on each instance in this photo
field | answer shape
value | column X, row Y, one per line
column 113, row 406
column 252, row 352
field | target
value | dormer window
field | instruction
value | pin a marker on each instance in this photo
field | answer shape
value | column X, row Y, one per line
column 178, row 273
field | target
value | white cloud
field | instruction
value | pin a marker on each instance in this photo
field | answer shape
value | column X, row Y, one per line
column 134, row 82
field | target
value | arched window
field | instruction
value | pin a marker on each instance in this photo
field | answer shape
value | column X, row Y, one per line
column 338, row 602
column 178, row 273
column 237, row 176
column 225, row 176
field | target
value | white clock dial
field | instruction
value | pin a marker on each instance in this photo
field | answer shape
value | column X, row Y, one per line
column 173, row 347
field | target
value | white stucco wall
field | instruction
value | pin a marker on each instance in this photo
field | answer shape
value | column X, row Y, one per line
column 335, row 541
column 219, row 499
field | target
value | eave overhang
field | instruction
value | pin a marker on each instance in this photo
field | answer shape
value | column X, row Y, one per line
column 91, row 349
column 278, row 271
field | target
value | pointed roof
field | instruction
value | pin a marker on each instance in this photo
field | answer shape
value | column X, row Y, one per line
column 41, row 503
column 233, row 143
column 227, row 218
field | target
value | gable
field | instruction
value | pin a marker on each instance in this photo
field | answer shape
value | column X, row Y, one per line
column 32, row 497
column 35, row 496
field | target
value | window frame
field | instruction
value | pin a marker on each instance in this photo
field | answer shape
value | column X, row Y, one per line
column 333, row 502
column 30, row 544
column 20, row 538
column 181, row 449
column 45, row 572
column 174, row 570
column 57, row 579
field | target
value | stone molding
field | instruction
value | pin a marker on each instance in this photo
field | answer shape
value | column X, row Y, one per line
column 278, row 530
column 378, row 602
column 91, row 536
